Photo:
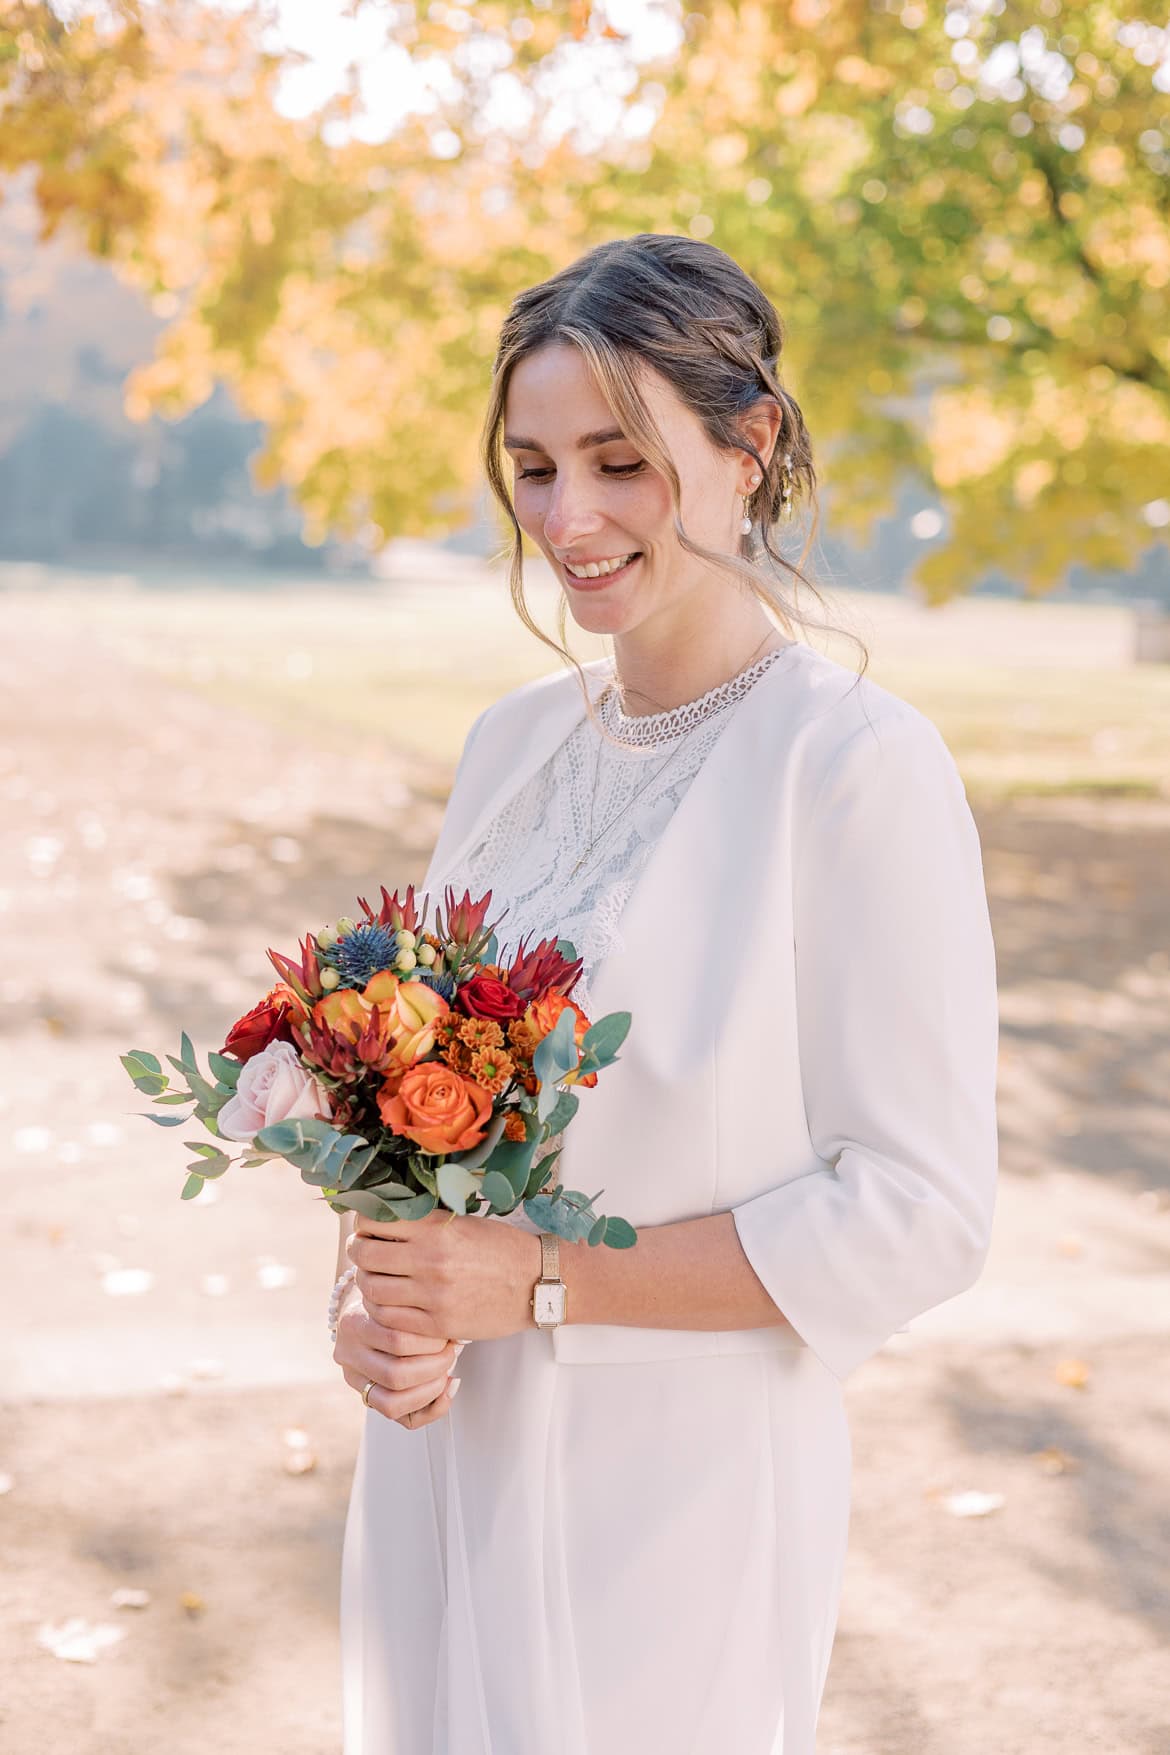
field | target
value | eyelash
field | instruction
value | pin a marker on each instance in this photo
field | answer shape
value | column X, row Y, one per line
column 611, row 469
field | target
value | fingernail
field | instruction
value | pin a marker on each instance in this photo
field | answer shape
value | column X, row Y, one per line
column 455, row 1382
column 459, row 1348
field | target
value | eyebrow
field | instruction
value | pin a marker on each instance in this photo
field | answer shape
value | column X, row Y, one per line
column 514, row 442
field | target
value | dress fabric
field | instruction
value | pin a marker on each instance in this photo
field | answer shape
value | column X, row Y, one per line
column 628, row 1558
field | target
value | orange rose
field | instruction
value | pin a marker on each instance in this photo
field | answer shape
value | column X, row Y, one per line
column 436, row 1107
column 542, row 1015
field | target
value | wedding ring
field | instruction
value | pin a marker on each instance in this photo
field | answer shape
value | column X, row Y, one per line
column 366, row 1393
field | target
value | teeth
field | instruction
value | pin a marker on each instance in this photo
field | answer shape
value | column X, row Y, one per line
column 598, row 569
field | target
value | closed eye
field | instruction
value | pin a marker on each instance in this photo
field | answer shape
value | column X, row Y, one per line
column 606, row 469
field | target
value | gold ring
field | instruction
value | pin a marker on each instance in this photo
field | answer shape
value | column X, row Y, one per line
column 366, row 1393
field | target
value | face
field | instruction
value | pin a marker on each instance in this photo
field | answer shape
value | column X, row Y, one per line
column 584, row 493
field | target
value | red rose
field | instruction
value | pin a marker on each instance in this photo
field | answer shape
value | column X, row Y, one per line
column 485, row 996
column 270, row 1021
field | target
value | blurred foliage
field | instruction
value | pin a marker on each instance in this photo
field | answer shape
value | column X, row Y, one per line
column 963, row 215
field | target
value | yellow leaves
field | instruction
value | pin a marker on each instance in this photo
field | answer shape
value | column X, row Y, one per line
column 1031, row 478
column 1072, row 1373
column 968, row 434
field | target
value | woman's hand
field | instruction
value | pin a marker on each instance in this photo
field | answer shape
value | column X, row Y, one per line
column 447, row 1274
column 410, row 1370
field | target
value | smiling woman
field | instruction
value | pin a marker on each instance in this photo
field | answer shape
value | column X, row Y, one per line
column 769, row 862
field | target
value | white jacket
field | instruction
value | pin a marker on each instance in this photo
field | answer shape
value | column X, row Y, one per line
column 808, row 961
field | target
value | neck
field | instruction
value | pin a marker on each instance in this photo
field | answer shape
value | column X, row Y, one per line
column 656, row 673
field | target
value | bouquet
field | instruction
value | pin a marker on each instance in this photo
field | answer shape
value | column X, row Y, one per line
column 397, row 1068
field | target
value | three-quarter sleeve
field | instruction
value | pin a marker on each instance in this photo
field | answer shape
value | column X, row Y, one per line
column 897, row 1024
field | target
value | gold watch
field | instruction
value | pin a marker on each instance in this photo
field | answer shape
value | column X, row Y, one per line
column 549, row 1294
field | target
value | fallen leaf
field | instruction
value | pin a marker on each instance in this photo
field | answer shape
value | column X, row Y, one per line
column 193, row 1604
column 77, row 1640
column 972, row 1504
column 1054, row 1461
column 127, row 1282
column 1073, row 1373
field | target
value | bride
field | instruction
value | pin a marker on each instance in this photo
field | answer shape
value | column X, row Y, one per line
column 627, row 1535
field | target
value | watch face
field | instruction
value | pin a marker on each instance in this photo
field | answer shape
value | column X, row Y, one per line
column 550, row 1303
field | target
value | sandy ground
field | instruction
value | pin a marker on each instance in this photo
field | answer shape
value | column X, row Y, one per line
column 146, row 1436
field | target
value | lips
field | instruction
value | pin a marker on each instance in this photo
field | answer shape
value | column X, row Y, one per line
column 604, row 579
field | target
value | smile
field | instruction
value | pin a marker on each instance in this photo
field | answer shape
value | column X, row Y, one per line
column 604, row 573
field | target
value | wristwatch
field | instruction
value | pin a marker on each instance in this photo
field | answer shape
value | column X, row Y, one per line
column 549, row 1294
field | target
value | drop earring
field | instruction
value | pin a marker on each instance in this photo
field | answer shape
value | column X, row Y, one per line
column 745, row 523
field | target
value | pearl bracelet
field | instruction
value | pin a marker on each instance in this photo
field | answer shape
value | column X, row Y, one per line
column 336, row 1297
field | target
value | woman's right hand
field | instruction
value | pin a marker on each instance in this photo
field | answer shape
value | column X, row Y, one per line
column 410, row 1371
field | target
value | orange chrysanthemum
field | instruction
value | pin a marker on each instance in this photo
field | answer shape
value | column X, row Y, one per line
column 522, row 1039
column 491, row 1068
column 514, row 1126
column 481, row 1033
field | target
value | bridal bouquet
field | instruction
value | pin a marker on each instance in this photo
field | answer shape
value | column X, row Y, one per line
column 397, row 1068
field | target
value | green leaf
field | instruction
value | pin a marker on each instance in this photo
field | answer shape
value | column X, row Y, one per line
column 598, row 1231
column 148, row 1060
column 490, row 951
column 475, row 1156
column 619, row 1233
column 561, row 1113
column 540, row 1174
column 559, row 1218
column 192, row 1186
column 499, row 1191
column 187, row 1051
column 567, row 950
column 206, row 1093
column 556, row 1054
column 605, row 1037
column 226, row 1071
column 176, row 1097
column 363, row 1200
column 169, row 1120
column 456, row 1186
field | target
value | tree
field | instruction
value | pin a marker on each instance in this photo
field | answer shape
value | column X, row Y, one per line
column 962, row 215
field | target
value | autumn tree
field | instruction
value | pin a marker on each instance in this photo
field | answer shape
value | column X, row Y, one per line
column 962, row 214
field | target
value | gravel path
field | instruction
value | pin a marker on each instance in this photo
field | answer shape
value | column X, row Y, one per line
column 150, row 1438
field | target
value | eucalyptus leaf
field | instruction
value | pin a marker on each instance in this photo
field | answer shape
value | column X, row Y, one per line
column 561, row 1113
column 187, row 1051
column 598, row 1231
column 620, row 1234
column 567, row 950
column 456, row 1185
column 226, row 1071
column 362, row 1200
column 557, row 1217
column 192, row 1186
column 148, row 1060
column 176, row 1097
column 499, row 1191
column 478, row 1155
column 606, row 1036
column 169, row 1120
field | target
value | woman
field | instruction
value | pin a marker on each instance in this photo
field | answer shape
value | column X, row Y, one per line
column 627, row 1537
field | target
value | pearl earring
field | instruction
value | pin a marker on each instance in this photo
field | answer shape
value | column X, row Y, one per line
column 745, row 523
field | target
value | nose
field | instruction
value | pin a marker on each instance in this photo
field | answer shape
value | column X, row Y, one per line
column 568, row 517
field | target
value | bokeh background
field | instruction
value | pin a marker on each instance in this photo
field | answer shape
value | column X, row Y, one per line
column 253, row 261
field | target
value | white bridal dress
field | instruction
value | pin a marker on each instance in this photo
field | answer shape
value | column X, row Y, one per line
column 636, row 1558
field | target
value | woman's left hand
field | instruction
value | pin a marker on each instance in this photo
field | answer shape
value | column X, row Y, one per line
column 448, row 1274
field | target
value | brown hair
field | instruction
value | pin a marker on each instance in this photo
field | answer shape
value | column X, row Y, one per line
column 688, row 310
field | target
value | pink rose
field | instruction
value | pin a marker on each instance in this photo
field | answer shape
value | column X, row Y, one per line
column 273, row 1086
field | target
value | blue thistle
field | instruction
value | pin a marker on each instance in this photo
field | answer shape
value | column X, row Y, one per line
column 443, row 983
column 361, row 953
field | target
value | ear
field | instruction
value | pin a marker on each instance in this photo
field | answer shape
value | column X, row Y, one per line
column 761, row 425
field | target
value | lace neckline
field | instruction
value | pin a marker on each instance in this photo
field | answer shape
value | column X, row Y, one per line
column 646, row 730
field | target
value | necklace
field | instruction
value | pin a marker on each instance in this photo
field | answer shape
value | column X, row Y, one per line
column 697, row 714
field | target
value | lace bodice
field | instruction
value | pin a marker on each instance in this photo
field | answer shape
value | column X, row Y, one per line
column 566, row 850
